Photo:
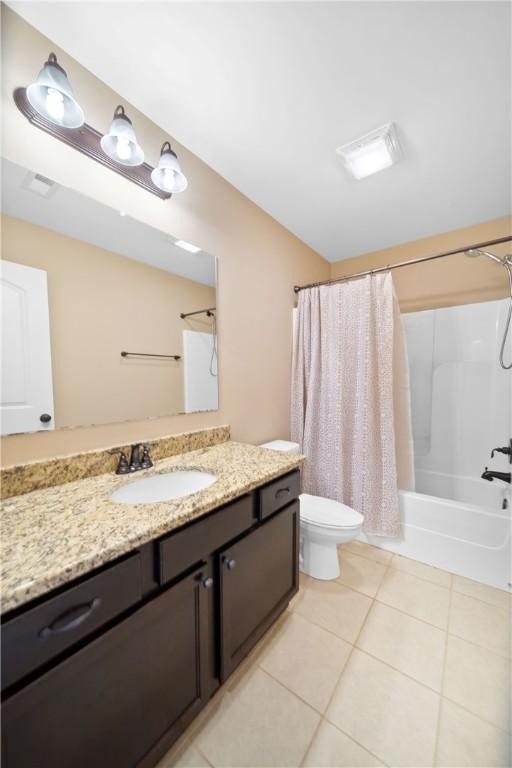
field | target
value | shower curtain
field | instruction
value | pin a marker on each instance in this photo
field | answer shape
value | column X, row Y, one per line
column 351, row 400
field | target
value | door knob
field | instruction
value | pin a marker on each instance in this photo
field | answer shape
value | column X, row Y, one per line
column 45, row 418
column 230, row 564
column 207, row 582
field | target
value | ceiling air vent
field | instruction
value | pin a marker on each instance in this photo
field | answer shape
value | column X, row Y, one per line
column 39, row 185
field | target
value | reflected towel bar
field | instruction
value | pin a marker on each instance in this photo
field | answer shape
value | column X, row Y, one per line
column 209, row 312
column 149, row 354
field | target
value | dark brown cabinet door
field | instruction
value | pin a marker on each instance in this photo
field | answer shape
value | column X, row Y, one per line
column 258, row 577
column 107, row 705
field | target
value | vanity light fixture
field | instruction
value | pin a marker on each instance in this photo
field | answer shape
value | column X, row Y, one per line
column 50, row 105
column 187, row 246
column 52, row 96
column 168, row 175
column 373, row 152
column 120, row 143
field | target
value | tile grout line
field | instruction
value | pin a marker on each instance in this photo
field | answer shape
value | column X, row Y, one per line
column 323, row 718
column 408, row 615
column 508, row 731
column 443, row 673
column 441, row 570
column 354, row 647
column 436, row 568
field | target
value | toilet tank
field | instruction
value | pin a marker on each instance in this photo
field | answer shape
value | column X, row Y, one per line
column 282, row 445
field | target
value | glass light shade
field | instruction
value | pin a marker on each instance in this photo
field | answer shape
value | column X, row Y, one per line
column 53, row 98
column 374, row 152
column 120, row 143
column 167, row 175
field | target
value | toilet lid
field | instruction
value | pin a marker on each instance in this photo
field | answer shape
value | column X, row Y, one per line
column 329, row 513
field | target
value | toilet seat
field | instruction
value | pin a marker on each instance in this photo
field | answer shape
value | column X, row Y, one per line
column 327, row 513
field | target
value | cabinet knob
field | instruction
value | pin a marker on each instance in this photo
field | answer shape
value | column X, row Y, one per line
column 230, row 564
column 45, row 418
column 207, row 582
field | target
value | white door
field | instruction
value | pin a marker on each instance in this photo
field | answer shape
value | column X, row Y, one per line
column 26, row 397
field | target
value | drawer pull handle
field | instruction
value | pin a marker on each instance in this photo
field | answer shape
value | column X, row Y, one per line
column 70, row 619
column 207, row 582
column 230, row 564
column 282, row 492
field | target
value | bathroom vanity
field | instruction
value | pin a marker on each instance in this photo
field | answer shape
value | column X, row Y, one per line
column 109, row 668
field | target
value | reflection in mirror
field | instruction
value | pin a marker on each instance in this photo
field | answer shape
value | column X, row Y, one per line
column 92, row 305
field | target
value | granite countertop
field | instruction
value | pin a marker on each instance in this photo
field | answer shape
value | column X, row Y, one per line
column 52, row 536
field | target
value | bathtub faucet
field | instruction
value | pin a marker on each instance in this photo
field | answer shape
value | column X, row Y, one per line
column 490, row 474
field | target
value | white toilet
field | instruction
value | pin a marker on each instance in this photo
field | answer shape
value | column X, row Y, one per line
column 324, row 524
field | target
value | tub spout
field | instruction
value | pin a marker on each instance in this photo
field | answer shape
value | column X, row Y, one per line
column 491, row 474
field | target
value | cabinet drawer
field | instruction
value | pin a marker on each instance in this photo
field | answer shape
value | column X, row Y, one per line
column 188, row 546
column 279, row 493
column 41, row 633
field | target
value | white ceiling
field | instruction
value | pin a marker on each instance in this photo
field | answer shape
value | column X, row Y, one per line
column 74, row 215
column 265, row 92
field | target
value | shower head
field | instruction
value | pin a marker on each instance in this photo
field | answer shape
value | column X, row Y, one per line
column 474, row 252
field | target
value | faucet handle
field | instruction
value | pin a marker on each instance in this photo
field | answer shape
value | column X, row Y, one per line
column 146, row 458
column 122, row 465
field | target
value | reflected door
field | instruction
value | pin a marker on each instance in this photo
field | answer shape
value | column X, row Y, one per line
column 26, row 398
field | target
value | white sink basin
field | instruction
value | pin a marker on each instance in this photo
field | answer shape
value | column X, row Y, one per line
column 172, row 485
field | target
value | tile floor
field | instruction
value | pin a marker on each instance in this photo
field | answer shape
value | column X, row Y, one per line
column 396, row 663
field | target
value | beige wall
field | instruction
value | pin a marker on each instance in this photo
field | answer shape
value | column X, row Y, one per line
column 259, row 260
column 101, row 303
column 445, row 282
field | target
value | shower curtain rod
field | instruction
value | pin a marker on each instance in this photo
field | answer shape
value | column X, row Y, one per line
column 375, row 270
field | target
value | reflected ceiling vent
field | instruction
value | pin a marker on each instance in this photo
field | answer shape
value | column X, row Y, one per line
column 39, row 184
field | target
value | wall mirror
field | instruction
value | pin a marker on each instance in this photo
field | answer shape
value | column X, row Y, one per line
column 92, row 305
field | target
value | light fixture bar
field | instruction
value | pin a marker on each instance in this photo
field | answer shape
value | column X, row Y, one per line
column 86, row 140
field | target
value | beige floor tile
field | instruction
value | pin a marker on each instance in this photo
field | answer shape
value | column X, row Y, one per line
column 304, row 579
column 480, row 623
column 334, row 607
column 366, row 550
column 478, row 680
column 186, row 757
column 260, row 723
column 306, row 659
column 417, row 597
column 333, row 749
column 407, row 644
column 497, row 597
column 360, row 573
column 422, row 571
column 465, row 740
column 389, row 714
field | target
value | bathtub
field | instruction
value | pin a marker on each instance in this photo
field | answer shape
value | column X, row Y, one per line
column 466, row 539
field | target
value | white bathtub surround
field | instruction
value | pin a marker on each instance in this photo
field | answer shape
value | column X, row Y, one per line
column 350, row 404
column 461, row 398
column 461, row 409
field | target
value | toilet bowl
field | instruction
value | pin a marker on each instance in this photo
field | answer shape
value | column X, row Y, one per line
column 324, row 523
